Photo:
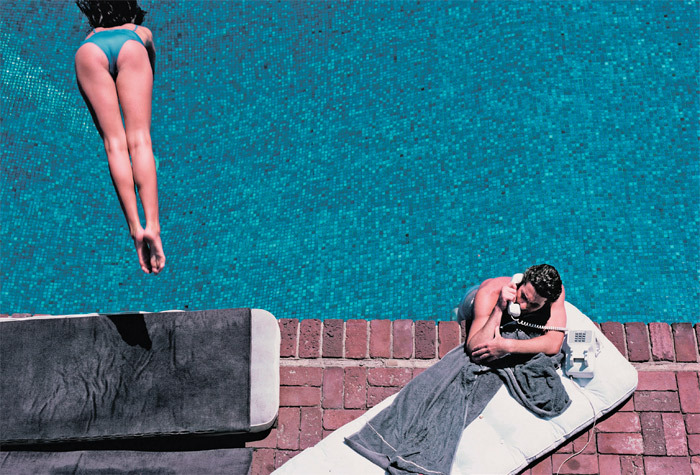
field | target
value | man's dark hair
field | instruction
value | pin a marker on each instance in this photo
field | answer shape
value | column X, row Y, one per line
column 107, row 14
column 546, row 281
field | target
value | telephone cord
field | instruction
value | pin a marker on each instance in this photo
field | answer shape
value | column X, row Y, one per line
column 539, row 327
column 590, row 431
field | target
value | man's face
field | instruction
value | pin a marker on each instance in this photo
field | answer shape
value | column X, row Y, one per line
column 528, row 298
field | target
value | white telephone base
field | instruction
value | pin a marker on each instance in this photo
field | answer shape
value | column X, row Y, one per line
column 580, row 353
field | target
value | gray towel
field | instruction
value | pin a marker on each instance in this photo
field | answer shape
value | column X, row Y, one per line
column 420, row 431
column 122, row 462
column 92, row 378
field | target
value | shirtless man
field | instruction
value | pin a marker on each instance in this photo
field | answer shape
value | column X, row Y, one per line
column 541, row 298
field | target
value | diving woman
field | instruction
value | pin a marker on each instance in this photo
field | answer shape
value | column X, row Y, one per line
column 114, row 68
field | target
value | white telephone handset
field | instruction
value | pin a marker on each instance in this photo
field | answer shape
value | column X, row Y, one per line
column 580, row 346
column 514, row 308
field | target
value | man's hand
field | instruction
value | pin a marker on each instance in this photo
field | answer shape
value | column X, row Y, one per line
column 507, row 295
column 491, row 350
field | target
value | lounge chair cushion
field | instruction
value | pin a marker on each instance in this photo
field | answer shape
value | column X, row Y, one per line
column 97, row 377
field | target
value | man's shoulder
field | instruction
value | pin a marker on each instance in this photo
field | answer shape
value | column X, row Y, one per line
column 495, row 282
column 493, row 285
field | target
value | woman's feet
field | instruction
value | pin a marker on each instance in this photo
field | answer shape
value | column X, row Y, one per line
column 156, row 250
column 149, row 248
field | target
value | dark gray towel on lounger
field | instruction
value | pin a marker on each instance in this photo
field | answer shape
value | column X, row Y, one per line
column 210, row 462
column 103, row 377
column 420, row 431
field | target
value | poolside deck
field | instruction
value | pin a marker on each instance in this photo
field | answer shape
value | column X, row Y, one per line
column 332, row 371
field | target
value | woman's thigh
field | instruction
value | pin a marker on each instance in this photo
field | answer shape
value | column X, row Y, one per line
column 135, row 87
column 98, row 90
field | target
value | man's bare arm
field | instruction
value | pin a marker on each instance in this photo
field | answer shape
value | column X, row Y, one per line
column 483, row 349
column 487, row 312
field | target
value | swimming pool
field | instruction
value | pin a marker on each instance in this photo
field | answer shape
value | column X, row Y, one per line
column 366, row 159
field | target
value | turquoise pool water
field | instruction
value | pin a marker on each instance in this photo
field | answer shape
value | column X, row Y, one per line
column 365, row 159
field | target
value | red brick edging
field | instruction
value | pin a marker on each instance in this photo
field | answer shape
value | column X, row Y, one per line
column 332, row 371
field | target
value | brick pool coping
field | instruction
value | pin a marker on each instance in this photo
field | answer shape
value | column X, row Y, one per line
column 332, row 371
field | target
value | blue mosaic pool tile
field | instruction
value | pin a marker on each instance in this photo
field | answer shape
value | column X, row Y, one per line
column 365, row 159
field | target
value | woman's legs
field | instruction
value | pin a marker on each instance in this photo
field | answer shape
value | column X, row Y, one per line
column 135, row 88
column 100, row 94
